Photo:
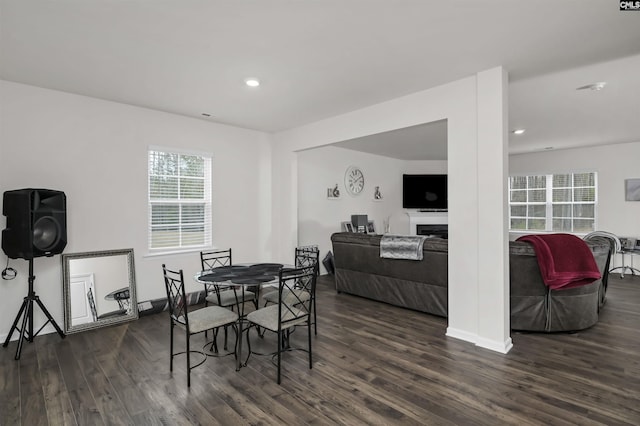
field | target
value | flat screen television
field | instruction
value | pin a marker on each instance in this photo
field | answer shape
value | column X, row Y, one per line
column 424, row 192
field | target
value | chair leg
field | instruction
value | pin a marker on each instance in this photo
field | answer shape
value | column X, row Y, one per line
column 171, row 349
column 279, row 353
column 225, row 338
column 309, row 334
column 315, row 317
column 214, row 341
column 248, row 348
column 188, row 363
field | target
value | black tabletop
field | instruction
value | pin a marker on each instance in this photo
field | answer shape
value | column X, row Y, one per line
column 243, row 275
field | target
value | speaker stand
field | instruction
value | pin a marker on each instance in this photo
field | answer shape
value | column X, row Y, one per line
column 26, row 313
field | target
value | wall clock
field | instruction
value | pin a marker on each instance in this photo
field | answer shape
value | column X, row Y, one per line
column 354, row 180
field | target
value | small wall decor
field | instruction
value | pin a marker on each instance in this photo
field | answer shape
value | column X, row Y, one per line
column 333, row 192
column 377, row 195
column 632, row 189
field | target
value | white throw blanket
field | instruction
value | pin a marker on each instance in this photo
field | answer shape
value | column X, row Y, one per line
column 402, row 247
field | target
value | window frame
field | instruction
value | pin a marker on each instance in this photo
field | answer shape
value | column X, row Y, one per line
column 549, row 202
column 206, row 201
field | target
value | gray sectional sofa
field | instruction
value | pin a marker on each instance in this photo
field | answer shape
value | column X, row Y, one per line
column 422, row 285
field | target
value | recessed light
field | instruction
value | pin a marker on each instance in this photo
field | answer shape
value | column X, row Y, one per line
column 517, row 131
column 252, row 82
column 593, row 86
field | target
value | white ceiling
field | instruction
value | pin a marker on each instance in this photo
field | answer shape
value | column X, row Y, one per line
column 318, row 59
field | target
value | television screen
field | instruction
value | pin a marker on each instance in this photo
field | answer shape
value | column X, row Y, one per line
column 425, row 192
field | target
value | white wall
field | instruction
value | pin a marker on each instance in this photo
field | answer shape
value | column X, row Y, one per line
column 96, row 152
column 613, row 163
column 322, row 168
column 458, row 103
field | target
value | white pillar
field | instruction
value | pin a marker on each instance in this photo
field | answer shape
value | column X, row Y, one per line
column 493, row 235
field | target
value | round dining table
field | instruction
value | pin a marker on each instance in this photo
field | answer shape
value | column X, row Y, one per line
column 242, row 277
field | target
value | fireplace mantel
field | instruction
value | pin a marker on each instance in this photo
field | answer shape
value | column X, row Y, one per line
column 426, row 218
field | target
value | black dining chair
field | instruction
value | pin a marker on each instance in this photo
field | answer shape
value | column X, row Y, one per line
column 223, row 295
column 295, row 287
column 305, row 256
column 197, row 321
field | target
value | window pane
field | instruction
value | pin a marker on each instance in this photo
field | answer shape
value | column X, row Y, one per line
column 164, row 214
column 191, row 188
column 584, row 211
column 192, row 235
column 518, row 182
column 584, row 194
column 193, row 214
column 562, row 225
column 518, row 196
column 561, row 210
column 583, row 225
column 518, row 224
column 191, row 165
column 537, row 210
column 584, row 179
column 537, row 224
column 162, row 187
column 537, row 196
column 537, row 181
column 166, row 236
column 163, row 163
column 561, row 181
column 560, row 195
column 519, row 211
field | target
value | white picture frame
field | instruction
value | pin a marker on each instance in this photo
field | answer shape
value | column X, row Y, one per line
column 347, row 226
column 632, row 189
column 371, row 227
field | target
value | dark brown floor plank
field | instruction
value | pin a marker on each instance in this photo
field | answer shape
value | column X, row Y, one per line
column 58, row 403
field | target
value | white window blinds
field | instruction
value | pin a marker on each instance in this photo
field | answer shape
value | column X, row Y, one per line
column 179, row 200
column 564, row 202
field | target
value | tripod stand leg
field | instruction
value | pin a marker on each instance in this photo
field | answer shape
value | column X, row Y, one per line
column 15, row 323
column 28, row 314
column 49, row 317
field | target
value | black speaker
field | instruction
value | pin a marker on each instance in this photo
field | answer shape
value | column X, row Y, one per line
column 36, row 223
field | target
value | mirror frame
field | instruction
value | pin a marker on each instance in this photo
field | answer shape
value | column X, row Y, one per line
column 66, row 287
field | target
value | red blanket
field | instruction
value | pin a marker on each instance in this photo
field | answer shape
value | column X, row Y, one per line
column 565, row 260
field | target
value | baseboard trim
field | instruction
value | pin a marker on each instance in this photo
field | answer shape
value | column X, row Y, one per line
column 494, row 345
column 461, row 335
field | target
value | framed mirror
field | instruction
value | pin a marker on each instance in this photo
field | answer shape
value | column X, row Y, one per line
column 99, row 289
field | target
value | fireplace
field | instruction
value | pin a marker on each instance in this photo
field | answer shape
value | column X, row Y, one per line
column 440, row 231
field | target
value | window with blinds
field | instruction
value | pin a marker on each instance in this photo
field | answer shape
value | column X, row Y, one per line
column 559, row 202
column 179, row 200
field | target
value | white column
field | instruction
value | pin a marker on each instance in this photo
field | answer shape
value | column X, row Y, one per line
column 493, row 235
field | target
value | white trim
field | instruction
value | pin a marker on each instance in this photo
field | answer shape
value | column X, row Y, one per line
column 178, row 151
column 177, row 252
column 495, row 345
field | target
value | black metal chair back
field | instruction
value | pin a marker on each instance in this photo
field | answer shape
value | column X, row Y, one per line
column 215, row 259
column 309, row 256
column 176, row 296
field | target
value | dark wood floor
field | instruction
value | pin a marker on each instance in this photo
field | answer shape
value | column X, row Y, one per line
column 374, row 364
